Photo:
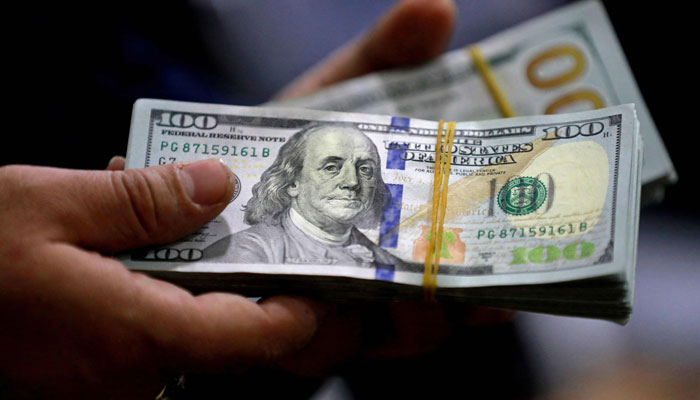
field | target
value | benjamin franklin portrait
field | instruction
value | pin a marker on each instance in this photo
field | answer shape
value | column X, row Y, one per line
column 325, row 183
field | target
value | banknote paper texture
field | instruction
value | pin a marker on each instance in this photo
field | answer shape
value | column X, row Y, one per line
column 319, row 193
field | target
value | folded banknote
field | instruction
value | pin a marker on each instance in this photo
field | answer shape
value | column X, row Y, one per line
column 564, row 61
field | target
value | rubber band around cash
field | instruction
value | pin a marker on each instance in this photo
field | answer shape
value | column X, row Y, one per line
column 485, row 70
column 441, row 177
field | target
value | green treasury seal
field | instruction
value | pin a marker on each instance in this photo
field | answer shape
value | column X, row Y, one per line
column 522, row 195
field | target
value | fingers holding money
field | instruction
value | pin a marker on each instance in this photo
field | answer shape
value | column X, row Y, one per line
column 372, row 332
column 229, row 332
column 77, row 323
column 412, row 32
column 73, row 316
column 116, row 210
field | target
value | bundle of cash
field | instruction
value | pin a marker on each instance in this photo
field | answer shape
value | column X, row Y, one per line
column 541, row 212
column 566, row 60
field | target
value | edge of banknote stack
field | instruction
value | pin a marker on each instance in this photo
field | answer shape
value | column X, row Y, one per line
column 606, row 293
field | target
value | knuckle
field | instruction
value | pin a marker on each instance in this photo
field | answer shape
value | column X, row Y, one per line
column 147, row 199
column 278, row 341
column 14, row 191
column 268, row 346
column 16, row 196
column 10, row 178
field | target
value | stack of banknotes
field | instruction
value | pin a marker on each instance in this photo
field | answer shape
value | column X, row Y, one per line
column 541, row 212
column 566, row 60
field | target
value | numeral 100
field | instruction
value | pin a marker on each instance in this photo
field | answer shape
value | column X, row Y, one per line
column 548, row 254
column 187, row 120
column 578, row 67
column 170, row 254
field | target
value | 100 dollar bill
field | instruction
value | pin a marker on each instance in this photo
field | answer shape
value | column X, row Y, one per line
column 530, row 199
column 565, row 61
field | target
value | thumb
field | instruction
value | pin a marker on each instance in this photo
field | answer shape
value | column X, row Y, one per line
column 117, row 210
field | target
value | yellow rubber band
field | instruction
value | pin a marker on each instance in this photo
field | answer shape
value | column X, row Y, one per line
column 441, row 177
column 437, row 185
column 498, row 96
column 447, row 164
column 443, row 163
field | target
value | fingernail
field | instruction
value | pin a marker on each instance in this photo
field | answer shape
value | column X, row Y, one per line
column 206, row 182
column 116, row 163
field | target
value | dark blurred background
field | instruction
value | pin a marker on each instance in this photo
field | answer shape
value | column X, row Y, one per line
column 75, row 71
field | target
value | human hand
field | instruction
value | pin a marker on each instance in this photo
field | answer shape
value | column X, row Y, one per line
column 378, row 330
column 410, row 33
column 78, row 324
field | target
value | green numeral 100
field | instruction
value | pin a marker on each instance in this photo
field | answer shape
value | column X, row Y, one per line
column 547, row 254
